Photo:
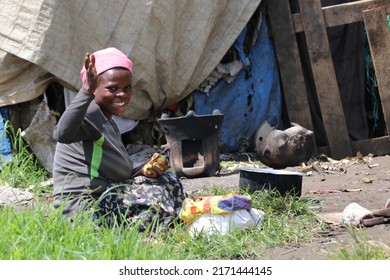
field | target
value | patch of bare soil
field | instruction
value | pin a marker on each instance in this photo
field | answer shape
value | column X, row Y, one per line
column 364, row 180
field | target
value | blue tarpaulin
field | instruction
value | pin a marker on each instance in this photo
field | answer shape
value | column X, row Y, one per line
column 252, row 98
column 5, row 144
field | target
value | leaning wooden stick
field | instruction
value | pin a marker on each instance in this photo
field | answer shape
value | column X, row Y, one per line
column 154, row 157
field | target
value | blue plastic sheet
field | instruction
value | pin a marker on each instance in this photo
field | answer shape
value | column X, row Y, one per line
column 252, row 98
column 5, row 143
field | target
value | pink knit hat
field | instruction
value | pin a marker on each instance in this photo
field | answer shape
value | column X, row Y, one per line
column 106, row 59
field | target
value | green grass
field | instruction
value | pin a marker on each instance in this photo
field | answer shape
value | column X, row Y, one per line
column 361, row 249
column 24, row 171
column 43, row 233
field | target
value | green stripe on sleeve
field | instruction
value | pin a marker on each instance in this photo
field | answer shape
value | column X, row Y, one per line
column 97, row 155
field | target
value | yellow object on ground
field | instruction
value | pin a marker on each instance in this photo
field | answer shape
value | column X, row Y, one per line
column 222, row 204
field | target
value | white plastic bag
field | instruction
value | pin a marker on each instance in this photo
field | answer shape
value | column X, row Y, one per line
column 223, row 223
column 354, row 214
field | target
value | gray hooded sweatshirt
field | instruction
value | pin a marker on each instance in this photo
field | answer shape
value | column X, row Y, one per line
column 89, row 157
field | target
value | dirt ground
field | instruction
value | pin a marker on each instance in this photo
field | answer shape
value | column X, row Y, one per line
column 364, row 180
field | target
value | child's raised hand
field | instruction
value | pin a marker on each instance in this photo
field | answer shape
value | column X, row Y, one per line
column 92, row 76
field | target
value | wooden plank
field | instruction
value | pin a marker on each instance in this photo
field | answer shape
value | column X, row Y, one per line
column 290, row 68
column 378, row 36
column 343, row 13
column 379, row 146
column 325, row 78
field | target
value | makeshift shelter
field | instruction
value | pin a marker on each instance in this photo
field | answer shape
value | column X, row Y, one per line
column 219, row 52
column 175, row 45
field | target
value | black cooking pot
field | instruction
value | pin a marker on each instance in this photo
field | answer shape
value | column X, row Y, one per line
column 284, row 181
